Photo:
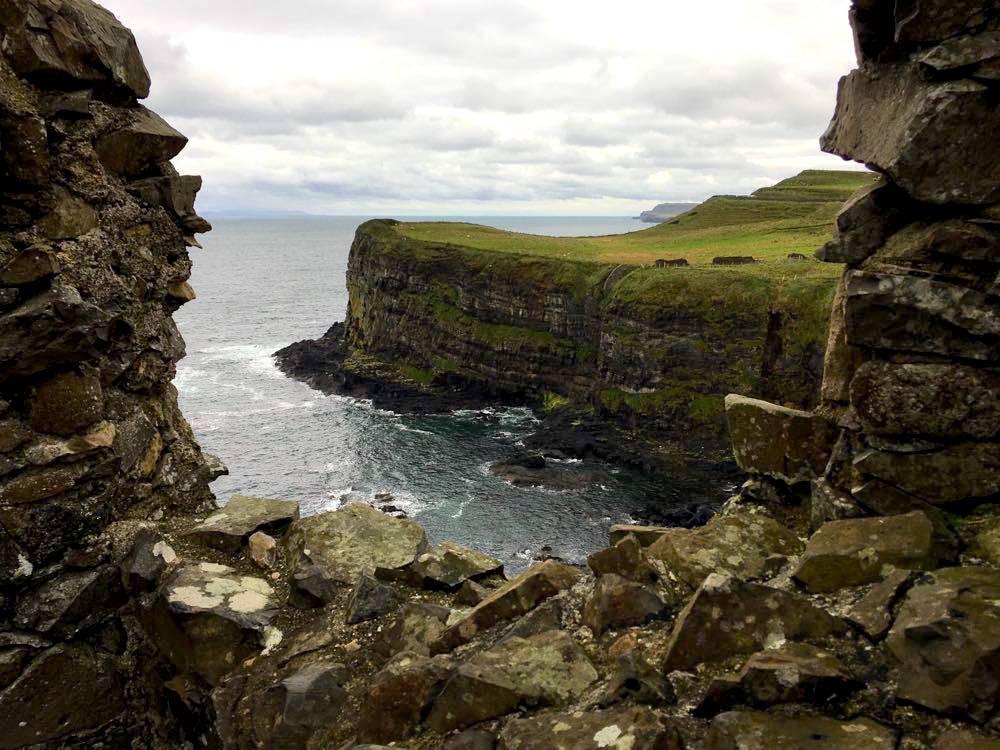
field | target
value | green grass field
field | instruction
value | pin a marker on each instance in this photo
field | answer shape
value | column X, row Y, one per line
column 794, row 216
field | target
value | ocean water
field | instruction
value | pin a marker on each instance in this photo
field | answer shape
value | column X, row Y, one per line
column 264, row 283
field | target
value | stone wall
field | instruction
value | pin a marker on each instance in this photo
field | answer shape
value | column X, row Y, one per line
column 94, row 229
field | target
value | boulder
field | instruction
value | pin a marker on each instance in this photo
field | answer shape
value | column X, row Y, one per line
column 311, row 587
column 263, row 549
column 625, row 558
column 399, row 697
column 229, row 528
column 750, row 730
column 828, row 503
column 543, row 618
column 946, row 641
column 75, row 43
column 873, row 611
column 471, row 593
column 471, row 739
column 60, row 674
column 618, row 602
column 512, row 600
column 414, row 629
column 447, row 565
column 958, row 472
column 545, row 670
column 146, row 561
column 306, row 702
column 146, row 141
column 636, row 680
column 726, row 617
column 637, row 728
column 903, row 126
column 791, row 673
column 67, row 402
column 71, row 602
column 356, row 538
column 175, row 194
column 787, row 444
column 371, row 598
column 935, row 400
column 739, row 544
column 945, row 242
column 646, row 535
column 209, row 618
column 857, row 551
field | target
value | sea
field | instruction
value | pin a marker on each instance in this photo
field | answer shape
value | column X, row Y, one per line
column 263, row 283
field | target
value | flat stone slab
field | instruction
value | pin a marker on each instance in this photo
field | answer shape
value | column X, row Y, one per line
column 859, row 550
column 549, row 669
column 873, row 612
column 512, row 600
column 637, row 728
column 945, row 640
column 232, row 526
column 737, row 545
column 750, row 730
column 447, row 565
column 727, row 616
column 618, row 602
column 787, row 444
column 355, row 539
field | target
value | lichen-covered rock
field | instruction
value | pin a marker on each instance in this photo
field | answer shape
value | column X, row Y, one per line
column 958, row 472
column 749, row 730
column 263, row 549
column 229, row 528
column 356, row 538
column 938, row 400
column 209, row 618
column 618, row 602
column 400, row 696
column 646, row 535
column 414, row 628
column 787, row 444
column 727, row 616
column 963, row 739
column 901, row 125
column 625, row 558
column 828, row 503
column 857, row 551
column 446, row 565
column 545, row 670
column 739, row 544
column 987, row 542
column 863, row 224
column 618, row 729
column 146, row 561
column 792, row 673
column 946, row 639
column 513, row 599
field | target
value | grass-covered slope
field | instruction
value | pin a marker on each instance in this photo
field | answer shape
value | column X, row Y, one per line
column 794, row 216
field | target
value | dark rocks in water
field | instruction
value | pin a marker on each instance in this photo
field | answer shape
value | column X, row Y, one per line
column 733, row 260
column 535, row 471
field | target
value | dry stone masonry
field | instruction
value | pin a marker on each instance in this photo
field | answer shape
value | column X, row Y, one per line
column 848, row 597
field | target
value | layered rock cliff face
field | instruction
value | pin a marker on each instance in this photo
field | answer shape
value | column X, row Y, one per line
column 433, row 326
column 94, row 229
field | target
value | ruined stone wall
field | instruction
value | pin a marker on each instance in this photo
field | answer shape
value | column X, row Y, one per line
column 94, row 229
column 911, row 377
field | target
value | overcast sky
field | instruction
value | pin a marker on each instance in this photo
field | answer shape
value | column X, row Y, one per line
column 491, row 106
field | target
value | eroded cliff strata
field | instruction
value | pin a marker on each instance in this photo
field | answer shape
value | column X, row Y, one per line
column 94, row 229
column 847, row 598
column 437, row 327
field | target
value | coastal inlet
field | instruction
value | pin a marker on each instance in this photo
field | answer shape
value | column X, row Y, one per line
column 264, row 283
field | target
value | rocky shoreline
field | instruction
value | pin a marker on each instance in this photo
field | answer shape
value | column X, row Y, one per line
column 847, row 597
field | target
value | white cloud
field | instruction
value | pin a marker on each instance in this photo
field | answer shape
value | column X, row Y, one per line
column 498, row 106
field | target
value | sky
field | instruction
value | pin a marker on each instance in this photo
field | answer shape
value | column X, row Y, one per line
column 491, row 107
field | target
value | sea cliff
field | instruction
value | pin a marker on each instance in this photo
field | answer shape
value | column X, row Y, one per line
column 436, row 326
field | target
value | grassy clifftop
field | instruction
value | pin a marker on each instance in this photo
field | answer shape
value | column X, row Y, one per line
column 794, row 216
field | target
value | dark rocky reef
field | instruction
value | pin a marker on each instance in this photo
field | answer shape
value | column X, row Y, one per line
column 94, row 224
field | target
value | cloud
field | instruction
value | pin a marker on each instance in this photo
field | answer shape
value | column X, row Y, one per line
column 452, row 106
